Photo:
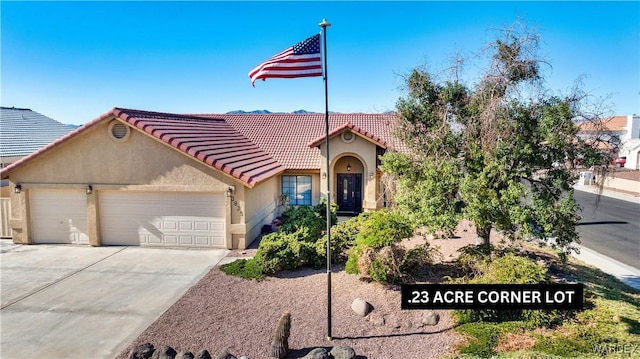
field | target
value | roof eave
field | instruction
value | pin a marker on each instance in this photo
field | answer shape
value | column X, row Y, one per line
column 354, row 129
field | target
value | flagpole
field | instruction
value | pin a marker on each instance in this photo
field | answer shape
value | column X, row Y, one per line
column 324, row 25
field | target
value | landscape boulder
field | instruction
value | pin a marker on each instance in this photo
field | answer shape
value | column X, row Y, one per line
column 204, row 355
column 142, row 351
column 430, row 318
column 185, row 355
column 164, row 352
column 342, row 352
column 361, row 307
column 317, row 353
column 225, row 355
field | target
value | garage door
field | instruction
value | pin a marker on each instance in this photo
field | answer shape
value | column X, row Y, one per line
column 162, row 219
column 59, row 216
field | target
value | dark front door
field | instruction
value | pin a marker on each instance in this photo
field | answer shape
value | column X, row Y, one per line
column 349, row 193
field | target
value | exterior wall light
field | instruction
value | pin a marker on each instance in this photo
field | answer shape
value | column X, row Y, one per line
column 17, row 188
column 371, row 175
column 89, row 189
column 230, row 190
column 348, row 167
column 324, row 175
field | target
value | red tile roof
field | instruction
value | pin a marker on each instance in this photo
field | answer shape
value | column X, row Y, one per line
column 286, row 137
column 248, row 147
column 349, row 126
column 212, row 142
column 609, row 124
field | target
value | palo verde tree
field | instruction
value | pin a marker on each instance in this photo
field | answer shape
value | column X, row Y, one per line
column 500, row 153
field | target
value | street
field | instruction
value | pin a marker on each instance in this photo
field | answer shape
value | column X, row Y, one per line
column 612, row 228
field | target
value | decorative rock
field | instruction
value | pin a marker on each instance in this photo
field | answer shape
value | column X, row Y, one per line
column 204, row 355
column 430, row 318
column 164, row 352
column 361, row 307
column 142, row 351
column 225, row 355
column 317, row 353
column 185, row 355
column 342, row 352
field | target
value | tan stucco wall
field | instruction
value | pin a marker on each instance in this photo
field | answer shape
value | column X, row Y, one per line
column 140, row 163
column 362, row 150
column 261, row 204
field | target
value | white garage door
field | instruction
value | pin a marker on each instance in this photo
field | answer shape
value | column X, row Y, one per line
column 59, row 216
column 162, row 219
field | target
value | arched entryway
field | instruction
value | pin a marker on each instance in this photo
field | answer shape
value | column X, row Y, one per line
column 348, row 185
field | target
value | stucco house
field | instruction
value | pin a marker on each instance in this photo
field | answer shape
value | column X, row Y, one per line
column 132, row 177
column 621, row 131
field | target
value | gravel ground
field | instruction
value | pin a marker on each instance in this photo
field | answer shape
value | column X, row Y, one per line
column 227, row 313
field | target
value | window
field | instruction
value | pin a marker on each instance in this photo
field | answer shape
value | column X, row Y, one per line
column 297, row 189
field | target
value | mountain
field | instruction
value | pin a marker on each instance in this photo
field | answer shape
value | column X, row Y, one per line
column 241, row 112
column 296, row 112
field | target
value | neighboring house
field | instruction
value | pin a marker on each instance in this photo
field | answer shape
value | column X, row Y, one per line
column 621, row 132
column 134, row 177
column 22, row 131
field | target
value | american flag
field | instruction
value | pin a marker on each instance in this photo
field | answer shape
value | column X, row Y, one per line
column 300, row 60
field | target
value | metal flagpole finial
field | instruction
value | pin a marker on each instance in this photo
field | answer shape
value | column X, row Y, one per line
column 324, row 24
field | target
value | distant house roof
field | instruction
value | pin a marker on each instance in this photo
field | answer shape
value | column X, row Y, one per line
column 23, row 131
column 287, row 137
column 248, row 147
column 609, row 124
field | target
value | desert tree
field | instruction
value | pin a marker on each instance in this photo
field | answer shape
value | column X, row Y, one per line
column 500, row 152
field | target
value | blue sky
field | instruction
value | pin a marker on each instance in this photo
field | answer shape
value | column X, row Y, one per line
column 73, row 61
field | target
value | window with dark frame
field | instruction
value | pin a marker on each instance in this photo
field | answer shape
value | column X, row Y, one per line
column 297, row 189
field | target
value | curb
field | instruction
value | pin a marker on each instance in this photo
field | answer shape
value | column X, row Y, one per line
column 625, row 273
column 608, row 193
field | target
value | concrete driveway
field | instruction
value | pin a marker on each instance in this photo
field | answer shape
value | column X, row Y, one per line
column 62, row 301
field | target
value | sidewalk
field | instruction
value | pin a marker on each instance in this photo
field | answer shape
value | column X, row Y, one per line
column 624, row 196
column 627, row 274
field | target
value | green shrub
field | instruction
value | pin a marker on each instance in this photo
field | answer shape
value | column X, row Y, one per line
column 296, row 218
column 511, row 269
column 378, row 230
column 311, row 218
column 343, row 237
column 378, row 271
column 351, row 267
column 383, row 228
column 417, row 258
column 385, row 266
column 280, row 251
column 244, row 268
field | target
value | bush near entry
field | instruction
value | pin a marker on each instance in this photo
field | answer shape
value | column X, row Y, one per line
column 375, row 254
column 293, row 246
